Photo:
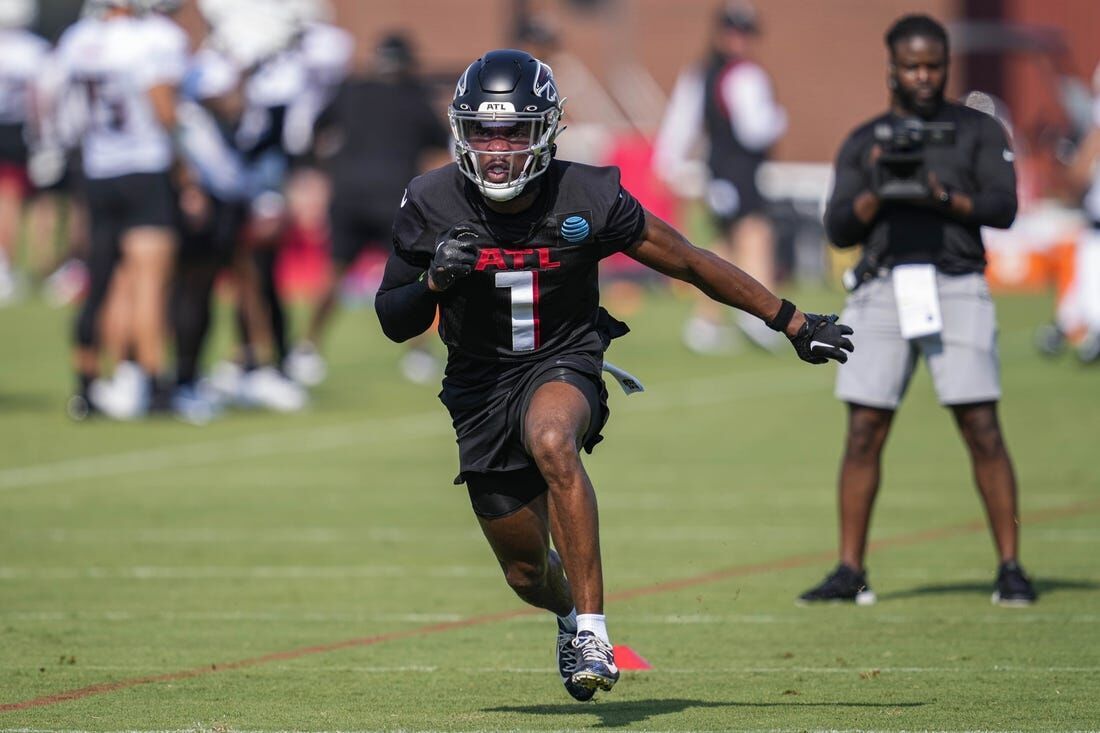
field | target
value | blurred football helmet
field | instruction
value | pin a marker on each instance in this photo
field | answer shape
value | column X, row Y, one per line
column 311, row 11
column 18, row 13
column 250, row 32
column 505, row 117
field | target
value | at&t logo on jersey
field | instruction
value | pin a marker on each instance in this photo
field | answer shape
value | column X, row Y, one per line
column 575, row 229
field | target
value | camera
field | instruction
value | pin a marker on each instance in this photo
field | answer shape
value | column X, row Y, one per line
column 899, row 172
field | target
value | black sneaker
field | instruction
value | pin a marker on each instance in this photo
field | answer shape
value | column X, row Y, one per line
column 842, row 585
column 567, row 665
column 1014, row 588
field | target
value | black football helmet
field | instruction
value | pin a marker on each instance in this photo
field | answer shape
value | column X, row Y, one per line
column 512, row 95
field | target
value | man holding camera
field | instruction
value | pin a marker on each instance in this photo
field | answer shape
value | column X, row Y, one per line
column 914, row 186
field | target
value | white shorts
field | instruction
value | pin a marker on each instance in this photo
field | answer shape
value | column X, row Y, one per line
column 962, row 359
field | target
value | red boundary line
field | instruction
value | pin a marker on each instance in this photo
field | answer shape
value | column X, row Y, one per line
column 736, row 571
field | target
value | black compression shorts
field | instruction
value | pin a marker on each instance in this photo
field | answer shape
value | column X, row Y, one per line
column 500, row 493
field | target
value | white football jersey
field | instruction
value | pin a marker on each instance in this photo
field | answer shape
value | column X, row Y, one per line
column 21, row 56
column 300, row 79
column 114, row 63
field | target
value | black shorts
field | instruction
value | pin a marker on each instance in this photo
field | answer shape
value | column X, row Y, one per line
column 733, row 198
column 216, row 239
column 499, row 474
column 132, row 201
column 13, row 146
column 354, row 228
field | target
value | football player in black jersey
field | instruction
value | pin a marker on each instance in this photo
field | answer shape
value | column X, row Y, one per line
column 506, row 243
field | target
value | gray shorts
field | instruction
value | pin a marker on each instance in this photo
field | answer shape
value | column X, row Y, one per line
column 962, row 359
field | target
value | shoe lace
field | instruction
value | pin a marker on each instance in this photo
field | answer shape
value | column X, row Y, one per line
column 594, row 649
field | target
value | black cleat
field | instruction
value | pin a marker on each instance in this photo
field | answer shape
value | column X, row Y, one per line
column 567, row 665
column 79, row 408
column 595, row 663
column 842, row 585
column 1014, row 588
column 1050, row 340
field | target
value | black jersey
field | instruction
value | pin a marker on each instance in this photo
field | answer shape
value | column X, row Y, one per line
column 534, row 290
column 978, row 163
column 727, row 158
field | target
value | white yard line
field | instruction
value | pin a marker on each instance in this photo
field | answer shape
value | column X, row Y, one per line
column 245, row 572
column 332, row 535
column 433, row 669
column 688, row 393
column 797, row 617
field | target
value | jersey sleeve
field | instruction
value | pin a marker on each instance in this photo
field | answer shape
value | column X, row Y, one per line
column 412, row 241
column 624, row 224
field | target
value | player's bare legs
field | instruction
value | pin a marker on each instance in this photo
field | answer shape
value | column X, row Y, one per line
column 115, row 319
column 326, row 304
column 557, row 419
column 521, row 543
column 11, row 206
column 149, row 253
column 754, row 248
column 860, row 473
column 993, row 472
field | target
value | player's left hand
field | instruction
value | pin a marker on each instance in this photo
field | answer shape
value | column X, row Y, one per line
column 821, row 338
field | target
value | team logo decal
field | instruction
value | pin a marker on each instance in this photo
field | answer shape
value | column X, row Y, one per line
column 544, row 84
column 575, row 229
column 460, row 88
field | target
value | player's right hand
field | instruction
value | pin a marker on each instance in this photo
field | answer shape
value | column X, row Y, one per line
column 455, row 257
column 821, row 338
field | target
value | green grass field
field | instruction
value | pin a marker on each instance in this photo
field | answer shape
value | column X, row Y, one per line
column 319, row 572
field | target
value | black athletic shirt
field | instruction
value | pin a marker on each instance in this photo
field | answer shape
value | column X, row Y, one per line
column 534, row 292
column 727, row 157
column 979, row 164
column 383, row 129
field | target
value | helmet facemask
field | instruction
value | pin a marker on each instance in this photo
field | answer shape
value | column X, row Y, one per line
column 514, row 147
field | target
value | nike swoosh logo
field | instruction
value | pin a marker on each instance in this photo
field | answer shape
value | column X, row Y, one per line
column 815, row 344
column 404, row 198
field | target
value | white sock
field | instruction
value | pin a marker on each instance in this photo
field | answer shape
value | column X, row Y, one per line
column 594, row 622
column 569, row 622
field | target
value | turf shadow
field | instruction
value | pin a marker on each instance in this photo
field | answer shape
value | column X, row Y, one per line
column 1043, row 586
column 620, row 713
column 30, row 402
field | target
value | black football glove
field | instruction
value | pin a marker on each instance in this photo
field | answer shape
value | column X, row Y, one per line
column 821, row 338
column 455, row 257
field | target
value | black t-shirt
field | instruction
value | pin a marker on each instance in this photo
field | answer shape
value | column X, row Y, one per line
column 382, row 128
column 534, row 292
column 979, row 164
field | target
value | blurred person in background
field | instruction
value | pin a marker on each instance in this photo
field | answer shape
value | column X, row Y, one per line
column 1079, row 313
column 126, row 68
column 379, row 131
column 282, row 60
column 22, row 55
column 506, row 242
column 729, row 98
column 914, row 186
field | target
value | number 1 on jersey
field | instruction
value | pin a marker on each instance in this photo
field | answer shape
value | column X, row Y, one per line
column 523, row 291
